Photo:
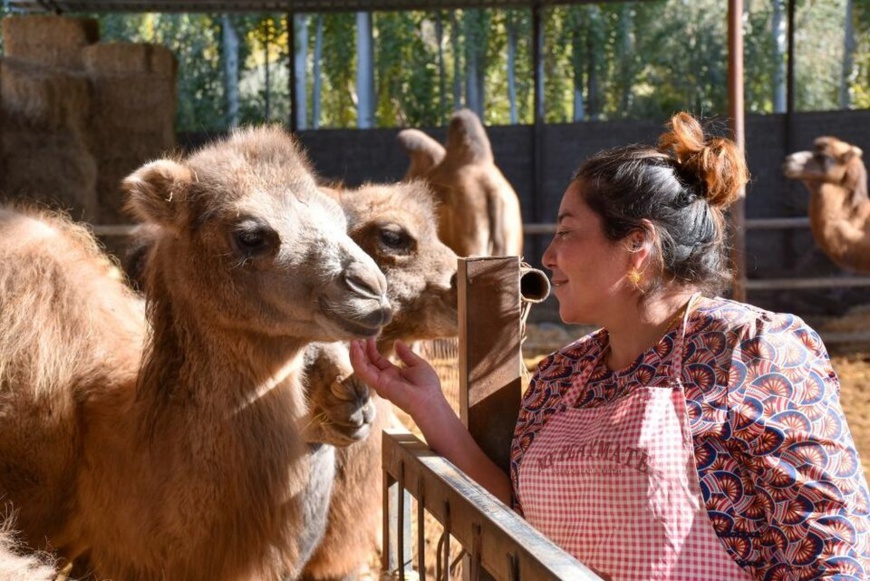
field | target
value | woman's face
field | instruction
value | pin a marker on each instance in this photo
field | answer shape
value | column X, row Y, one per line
column 588, row 270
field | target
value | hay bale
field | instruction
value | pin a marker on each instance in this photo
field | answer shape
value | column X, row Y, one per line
column 46, row 98
column 114, row 58
column 49, row 40
column 110, row 197
column 54, row 167
column 141, row 103
column 133, row 105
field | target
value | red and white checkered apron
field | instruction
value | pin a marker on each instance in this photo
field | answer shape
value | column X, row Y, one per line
column 617, row 486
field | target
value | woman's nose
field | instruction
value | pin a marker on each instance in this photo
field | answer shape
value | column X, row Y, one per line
column 548, row 259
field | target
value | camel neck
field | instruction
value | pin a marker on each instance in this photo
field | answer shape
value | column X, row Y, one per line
column 214, row 367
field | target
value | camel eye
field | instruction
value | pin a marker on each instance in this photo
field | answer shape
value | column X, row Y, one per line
column 253, row 238
column 395, row 239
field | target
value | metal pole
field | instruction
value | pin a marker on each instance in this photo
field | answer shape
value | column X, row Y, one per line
column 735, row 110
column 538, row 123
column 291, row 65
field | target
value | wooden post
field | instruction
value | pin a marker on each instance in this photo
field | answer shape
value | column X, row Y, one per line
column 490, row 356
column 489, row 359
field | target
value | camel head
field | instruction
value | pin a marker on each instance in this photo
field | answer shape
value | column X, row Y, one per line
column 833, row 162
column 246, row 242
column 467, row 141
column 425, row 152
column 397, row 226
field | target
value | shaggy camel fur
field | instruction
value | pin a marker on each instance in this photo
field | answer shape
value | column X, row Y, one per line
column 185, row 461
column 395, row 225
column 839, row 209
column 479, row 211
column 19, row 564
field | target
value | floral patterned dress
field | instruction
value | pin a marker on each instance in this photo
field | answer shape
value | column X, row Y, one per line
column 779, row 473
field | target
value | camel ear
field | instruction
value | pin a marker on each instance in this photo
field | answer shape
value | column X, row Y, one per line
column 156, row 190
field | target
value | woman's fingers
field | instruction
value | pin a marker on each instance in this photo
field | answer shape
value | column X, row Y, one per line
column 406, row 355
column 374, row 356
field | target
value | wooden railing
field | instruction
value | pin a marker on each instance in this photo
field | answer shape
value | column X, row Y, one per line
column 497, row 540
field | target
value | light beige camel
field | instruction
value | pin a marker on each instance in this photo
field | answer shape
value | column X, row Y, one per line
column 479, row 211
column 187, row 461
column 839, row 208
column 395, row 225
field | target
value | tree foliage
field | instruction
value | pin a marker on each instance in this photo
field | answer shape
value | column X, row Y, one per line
column 635, row 60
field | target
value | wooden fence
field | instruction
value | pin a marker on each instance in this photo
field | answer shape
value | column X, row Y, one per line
column 494, row 295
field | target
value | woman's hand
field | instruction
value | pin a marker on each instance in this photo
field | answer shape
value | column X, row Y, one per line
column 414, row 388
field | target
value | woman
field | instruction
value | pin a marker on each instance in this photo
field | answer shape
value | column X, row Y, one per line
column 690, row 437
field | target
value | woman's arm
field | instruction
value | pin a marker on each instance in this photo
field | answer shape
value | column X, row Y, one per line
column 416, row 389
column 799, row 455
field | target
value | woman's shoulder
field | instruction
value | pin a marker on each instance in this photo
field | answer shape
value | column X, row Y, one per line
column 571, row 355
column 742, row 322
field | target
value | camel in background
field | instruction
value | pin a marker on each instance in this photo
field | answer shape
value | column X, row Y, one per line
column 839, row 208
column 177, row 452
column 479, row 211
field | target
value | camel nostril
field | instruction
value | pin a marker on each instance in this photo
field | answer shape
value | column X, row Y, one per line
column 365, row 282
column 454, row 281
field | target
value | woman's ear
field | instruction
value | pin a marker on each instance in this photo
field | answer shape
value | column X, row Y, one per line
column 639, row 245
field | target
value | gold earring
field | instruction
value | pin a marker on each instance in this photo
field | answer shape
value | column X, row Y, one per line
column 634, row 276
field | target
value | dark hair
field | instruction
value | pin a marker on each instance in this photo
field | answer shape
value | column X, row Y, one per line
column 682, row 187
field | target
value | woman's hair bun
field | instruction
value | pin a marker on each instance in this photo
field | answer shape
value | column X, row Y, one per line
column 716, row 163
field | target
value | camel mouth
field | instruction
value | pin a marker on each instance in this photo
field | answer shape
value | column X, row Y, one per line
column 794, row 165
column 355, row 322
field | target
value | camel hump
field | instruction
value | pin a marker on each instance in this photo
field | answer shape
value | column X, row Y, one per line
column 21, row 228
column 466, row 138
column 425, row 152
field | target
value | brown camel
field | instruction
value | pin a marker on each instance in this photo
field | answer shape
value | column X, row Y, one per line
column 839, row 209
column 479, row 211
column 395, row 225
column 185, row 460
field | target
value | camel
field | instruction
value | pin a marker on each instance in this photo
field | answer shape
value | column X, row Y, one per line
column 396, row 226
column 839, row 208
column 173, row 449
column 479, row 211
